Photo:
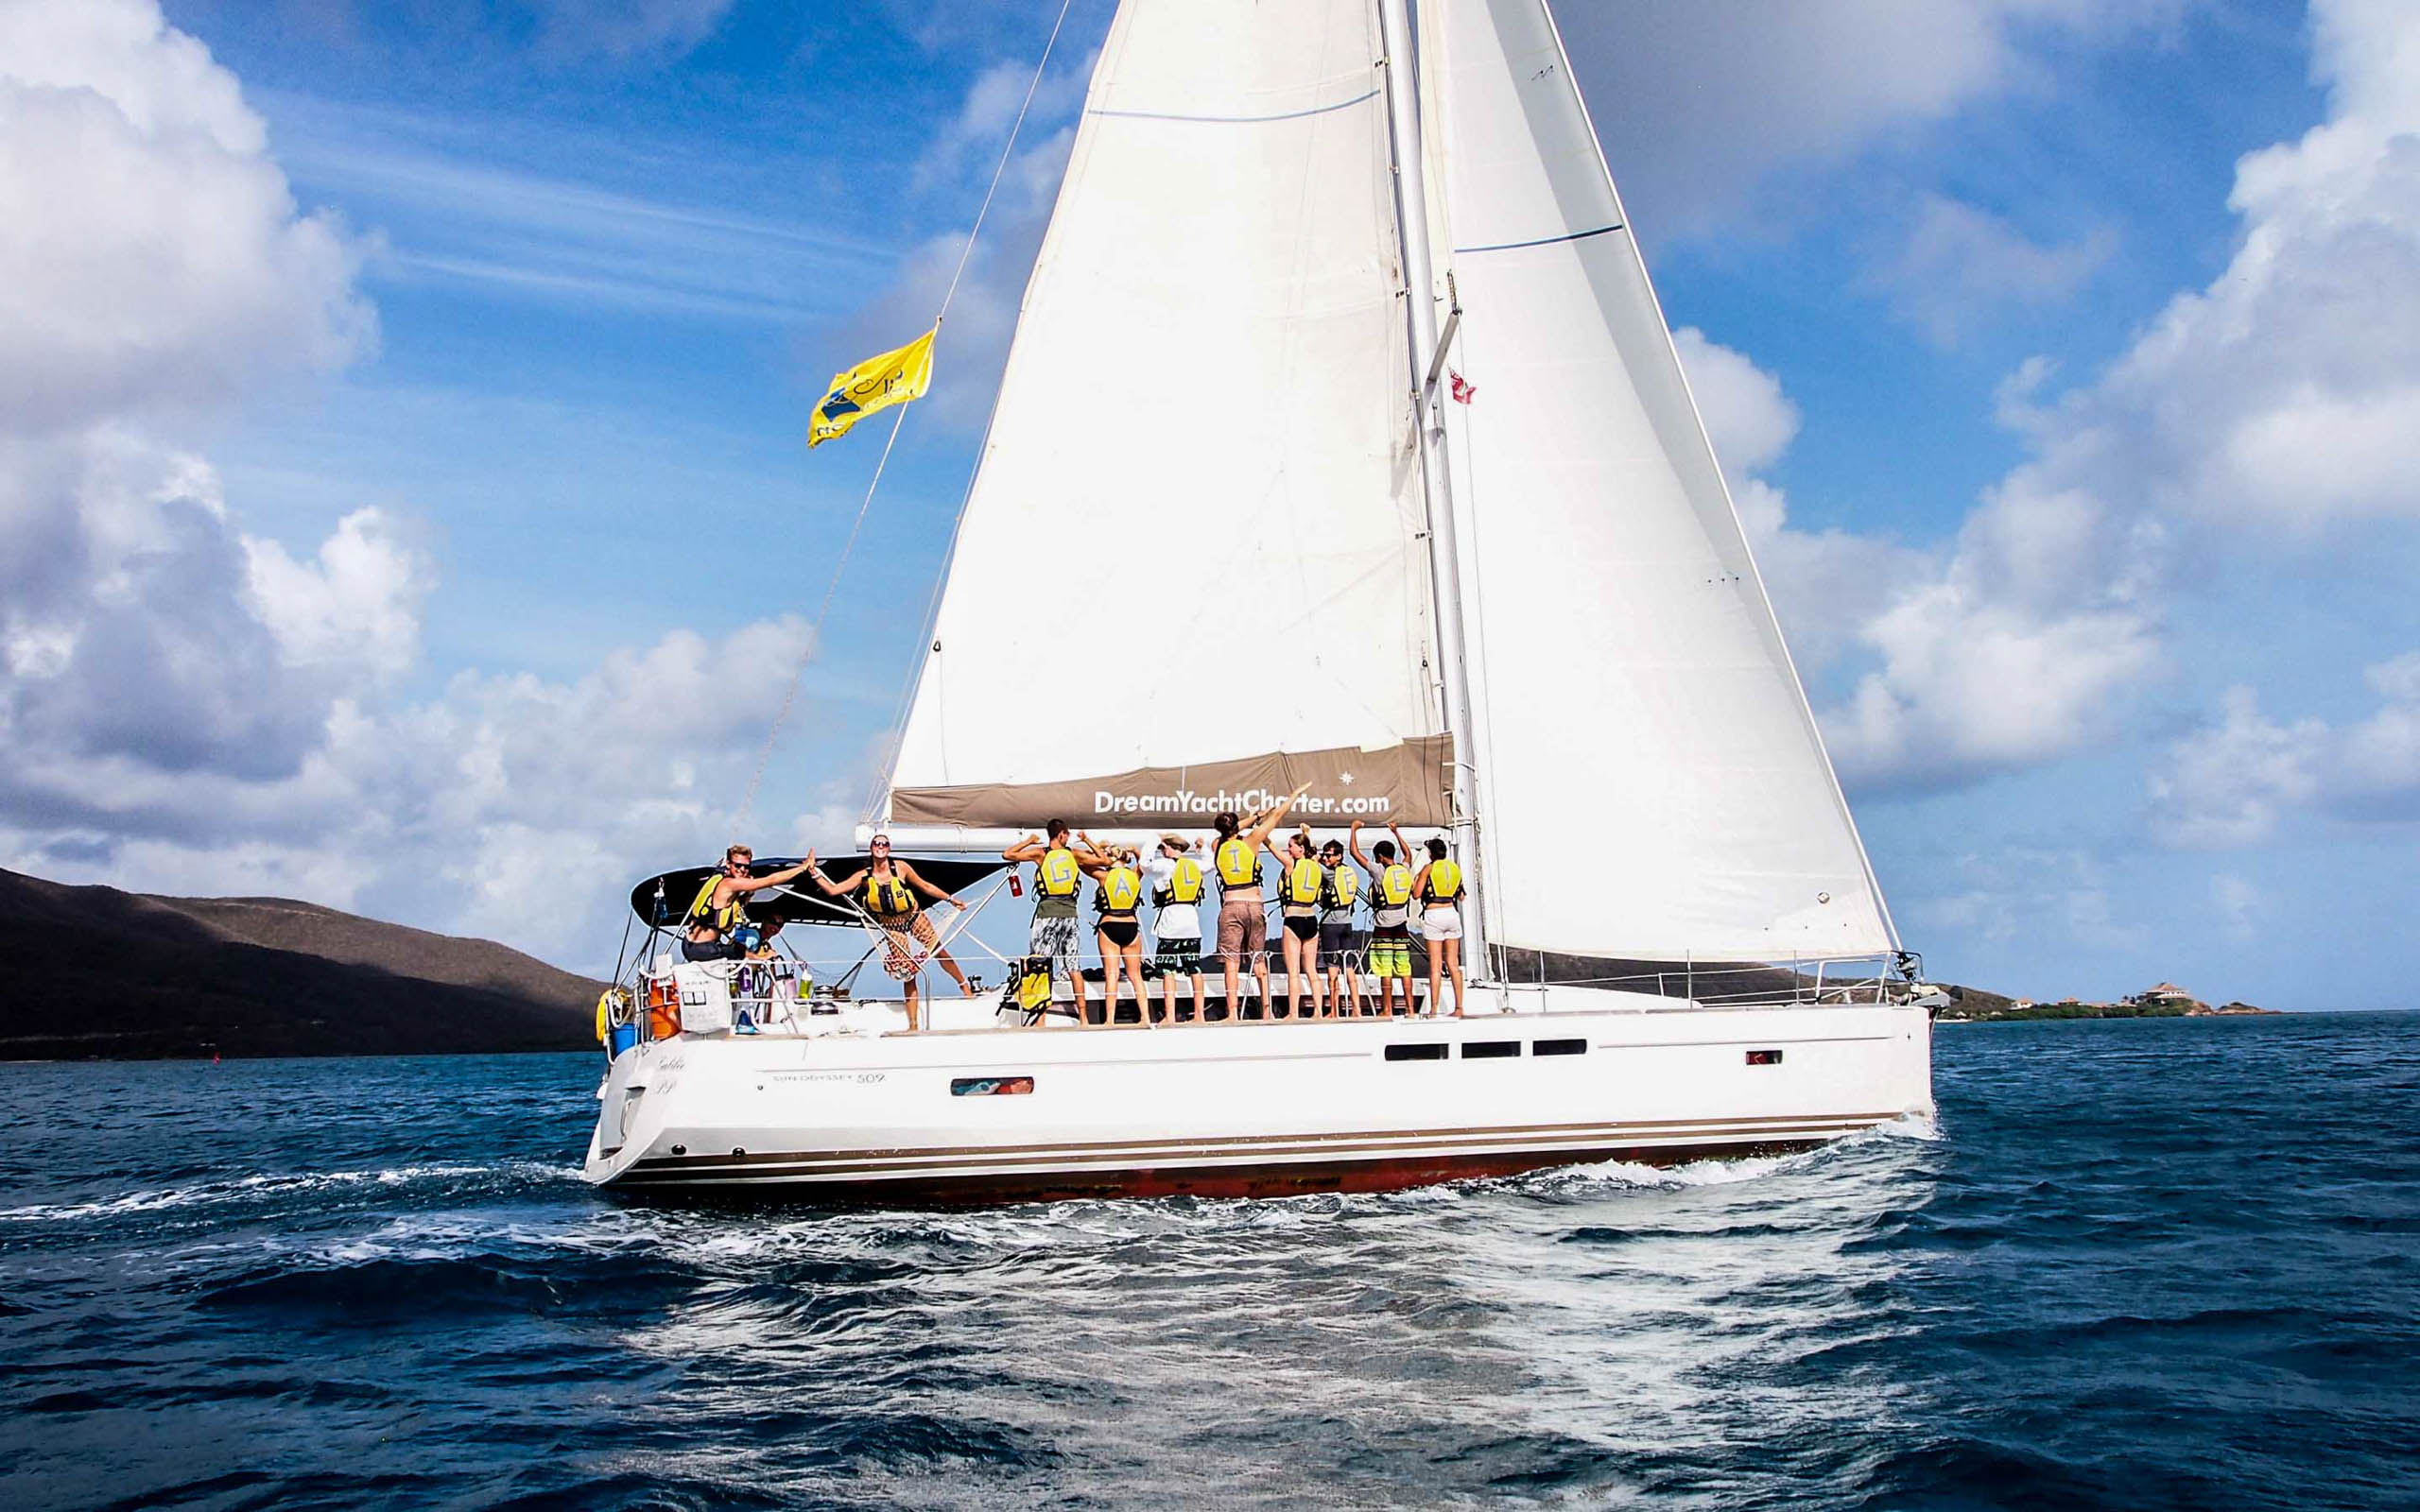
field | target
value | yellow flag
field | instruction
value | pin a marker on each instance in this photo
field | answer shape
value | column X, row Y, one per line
column 877, row 382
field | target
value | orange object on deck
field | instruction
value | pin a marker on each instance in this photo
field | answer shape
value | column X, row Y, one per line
column 662, row 1008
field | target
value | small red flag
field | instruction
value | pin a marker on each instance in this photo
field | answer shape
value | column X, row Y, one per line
column 1464, row 390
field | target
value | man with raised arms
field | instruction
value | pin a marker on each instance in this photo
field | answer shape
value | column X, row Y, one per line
column 1060, row 867
column 1390, row 892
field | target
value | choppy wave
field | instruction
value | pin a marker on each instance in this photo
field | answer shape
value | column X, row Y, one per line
column 2150, row 1265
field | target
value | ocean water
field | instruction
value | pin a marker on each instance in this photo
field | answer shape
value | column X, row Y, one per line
column 2164, row 1263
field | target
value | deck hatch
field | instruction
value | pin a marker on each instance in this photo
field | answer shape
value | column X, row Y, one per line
column 1415, row 1052
column 1558, row 1047
column 1491, row 1049
column 991, row 1086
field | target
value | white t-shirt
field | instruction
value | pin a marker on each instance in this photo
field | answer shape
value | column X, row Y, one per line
column 1176, row 921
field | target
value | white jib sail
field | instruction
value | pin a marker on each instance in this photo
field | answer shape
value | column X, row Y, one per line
column 1194, row 535
column 1652, row 783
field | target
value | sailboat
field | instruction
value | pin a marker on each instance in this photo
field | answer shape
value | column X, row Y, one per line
column 1343, row 446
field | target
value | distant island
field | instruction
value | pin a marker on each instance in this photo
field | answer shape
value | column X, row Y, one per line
column 2164, row 1001
column 111, row 975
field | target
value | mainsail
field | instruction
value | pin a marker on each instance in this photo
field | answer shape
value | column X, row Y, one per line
column 1191, row 570
column 1194, row 566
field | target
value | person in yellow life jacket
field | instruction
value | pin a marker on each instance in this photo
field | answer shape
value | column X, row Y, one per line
column 1178, row 885
column 1391, row 895
column 716, row 927
column 886, row 888
column 1119, row 904
column 1440, row 887
column 1243, row 914
column 1304, row 883
column 1340, row 898
column 1060, row 863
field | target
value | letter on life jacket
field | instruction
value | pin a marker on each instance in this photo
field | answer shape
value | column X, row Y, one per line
column 889, row 896
column 1060, row 873
column 1444, row 881
column 1121, row 887
column 1185, row 884
column 1304, row 881
column 1343, row 886
column 1238, row 863
column 1394, row 884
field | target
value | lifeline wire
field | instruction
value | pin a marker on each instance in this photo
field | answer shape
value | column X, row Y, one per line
column 815, row 631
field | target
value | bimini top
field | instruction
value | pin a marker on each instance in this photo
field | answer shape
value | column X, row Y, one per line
column 660, row 901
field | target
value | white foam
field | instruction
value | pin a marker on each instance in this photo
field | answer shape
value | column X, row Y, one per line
column 267, row 1185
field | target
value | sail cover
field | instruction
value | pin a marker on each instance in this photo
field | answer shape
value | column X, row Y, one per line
column 1652, row 781
column 1190, row 573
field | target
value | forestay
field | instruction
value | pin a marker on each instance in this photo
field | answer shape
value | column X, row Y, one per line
column 1190, row 571
column 1652, row 783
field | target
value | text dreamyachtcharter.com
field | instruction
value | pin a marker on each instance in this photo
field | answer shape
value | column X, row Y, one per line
column 1248, row 801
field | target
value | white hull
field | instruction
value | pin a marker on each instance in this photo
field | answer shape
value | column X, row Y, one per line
column 1249, row 1109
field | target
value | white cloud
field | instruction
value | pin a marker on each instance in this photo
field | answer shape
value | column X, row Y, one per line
column 508, row 806
column 983, row 316
column 152, row 256
column 452, row 206
column 2026, row 893
column 963, row 154
column 2285, row 393
column 2004, row 648
column 2278, row 396
column 2230, row 784
column 1751, row 421
column 2238, row 903
column 1961, row 263
column 1702, row 104
column 2373, row 769
column 2224, row 786
column 357, row 603
column 625, row 29
column 2010, row 649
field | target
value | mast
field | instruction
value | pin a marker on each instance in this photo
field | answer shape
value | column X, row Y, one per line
column 1436, row 482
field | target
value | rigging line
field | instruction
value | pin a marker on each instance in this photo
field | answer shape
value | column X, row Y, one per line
column 932, row 607
column 1006, row 147
column 814, row 630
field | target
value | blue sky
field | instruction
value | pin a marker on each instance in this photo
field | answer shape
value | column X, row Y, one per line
column 2053, row 347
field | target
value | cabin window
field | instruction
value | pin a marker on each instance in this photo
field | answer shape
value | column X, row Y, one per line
column 991, row 1086
column 1491, row 1049
column 1415, row 1052
column 1558, row 1047
column 1764, row 1057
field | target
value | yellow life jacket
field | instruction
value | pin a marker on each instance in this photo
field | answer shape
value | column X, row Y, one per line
column 1304, row 881
column 1343, row 886
column 1394, row 884
column 1185, row 884
column 1060, row 876
column 886, row 897
column 702, row 911
column 1444, row 881
column 1121, row 889
column 1238, row 863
